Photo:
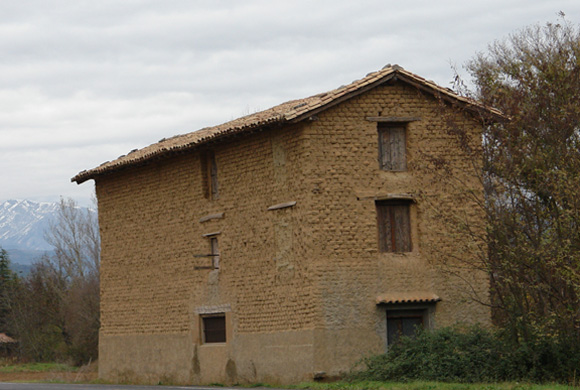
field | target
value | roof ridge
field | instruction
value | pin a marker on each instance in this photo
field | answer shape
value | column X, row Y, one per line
column 289, row 111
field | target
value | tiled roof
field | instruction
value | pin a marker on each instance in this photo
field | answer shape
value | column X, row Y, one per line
column 399, row 298
column 289, row 112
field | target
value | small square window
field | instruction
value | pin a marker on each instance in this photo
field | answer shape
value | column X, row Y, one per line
column 394, row 225
column 214, row 328
column 392, row 146
column 404, row 323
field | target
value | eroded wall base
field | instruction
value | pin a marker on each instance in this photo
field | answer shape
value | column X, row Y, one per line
column 149, row 359
column 276, row 358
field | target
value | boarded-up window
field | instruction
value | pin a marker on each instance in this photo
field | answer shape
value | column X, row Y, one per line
column 214, row 328
column 213, row 176
column 394, row 223
column 392, row 146
column 209, row 175
column 403, row 323
column 215, row 252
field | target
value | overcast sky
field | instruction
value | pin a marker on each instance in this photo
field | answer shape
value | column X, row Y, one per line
column 82, row 82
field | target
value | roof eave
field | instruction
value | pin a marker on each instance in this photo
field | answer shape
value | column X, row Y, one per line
column 93, row 174
column 394, row 73
column 489, row 113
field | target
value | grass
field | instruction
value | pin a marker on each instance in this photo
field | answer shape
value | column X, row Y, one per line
column 37, row 367
column 370, row 385
column 9, row 367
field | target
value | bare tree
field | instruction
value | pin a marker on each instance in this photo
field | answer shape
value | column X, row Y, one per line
column 532, row 166
column 74, row 234
column 55, row 310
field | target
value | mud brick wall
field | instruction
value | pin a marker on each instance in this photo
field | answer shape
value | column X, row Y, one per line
column 302, row 278
column 344, row 179
column 151, row 234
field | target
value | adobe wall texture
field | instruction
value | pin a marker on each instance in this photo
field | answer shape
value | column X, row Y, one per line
column 298, row 284
column 344, row 178
column 151, row 233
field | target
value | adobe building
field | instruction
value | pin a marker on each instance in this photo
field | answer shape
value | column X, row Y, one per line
column 285, row 245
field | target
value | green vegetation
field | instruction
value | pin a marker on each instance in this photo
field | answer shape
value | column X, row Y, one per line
column 53, row 312
column 473, row 355
column 37, row 367
column 373, row 385
column 7, row 281
column 532, row 179
column 531, row 246
column 530, row 243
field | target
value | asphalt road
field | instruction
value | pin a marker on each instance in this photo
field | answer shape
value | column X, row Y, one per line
column 58, row 386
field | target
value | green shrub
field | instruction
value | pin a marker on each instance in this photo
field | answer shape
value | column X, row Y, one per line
column 474, row 355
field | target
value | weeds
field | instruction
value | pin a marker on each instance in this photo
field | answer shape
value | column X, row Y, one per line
column 473, row 355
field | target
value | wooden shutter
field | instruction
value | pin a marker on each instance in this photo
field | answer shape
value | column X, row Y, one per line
column 384, row 149
column 392, row 147
column 384, row 224
column 401, row 233
column 394, row 225
column 397, row 138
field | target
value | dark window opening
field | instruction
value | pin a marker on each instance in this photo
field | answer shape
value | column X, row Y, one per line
column 392, row 146
column 209, row 175
column 213, row 177
column 214, row 328
column 394, row 223
column 404, row 323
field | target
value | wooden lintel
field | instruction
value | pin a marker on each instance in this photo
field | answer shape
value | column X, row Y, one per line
column 403, row 196
column 394, row 119
column 282, row 205
column 211, row 216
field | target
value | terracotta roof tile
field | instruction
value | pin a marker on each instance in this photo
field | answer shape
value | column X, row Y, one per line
column 292, row 111
column 398, row 298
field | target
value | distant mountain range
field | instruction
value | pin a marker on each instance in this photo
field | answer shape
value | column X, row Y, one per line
column 22, row 227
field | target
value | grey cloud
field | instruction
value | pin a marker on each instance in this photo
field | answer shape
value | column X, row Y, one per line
column 82, row 82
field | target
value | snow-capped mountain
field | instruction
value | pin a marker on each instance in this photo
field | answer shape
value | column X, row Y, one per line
column 23, row 223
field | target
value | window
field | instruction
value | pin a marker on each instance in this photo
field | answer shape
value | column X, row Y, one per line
column 394, row 223
column 210, row 175
column 214, row 328
column 404, row 323
column 215, row 252
column 392, row 146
